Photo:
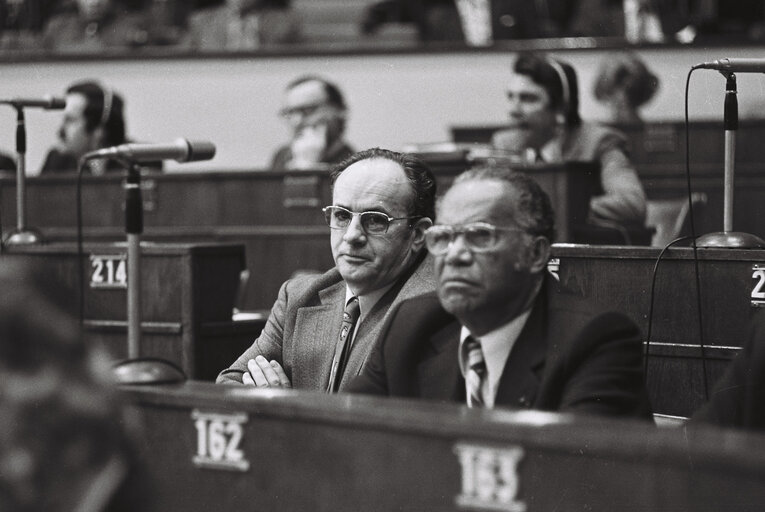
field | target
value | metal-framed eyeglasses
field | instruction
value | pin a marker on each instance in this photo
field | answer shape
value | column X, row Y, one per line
column 373, row 223
column 477, row 236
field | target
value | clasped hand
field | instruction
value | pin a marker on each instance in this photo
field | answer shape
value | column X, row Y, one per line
column 265, row 374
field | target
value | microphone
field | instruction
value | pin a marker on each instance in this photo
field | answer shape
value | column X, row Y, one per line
column 734, row 65
column 47, row 102
column 180, row 150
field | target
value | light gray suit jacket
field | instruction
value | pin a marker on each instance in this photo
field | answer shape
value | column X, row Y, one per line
column 302, row 330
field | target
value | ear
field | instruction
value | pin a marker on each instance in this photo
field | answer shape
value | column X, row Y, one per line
column 539, row 254
column 418, row 233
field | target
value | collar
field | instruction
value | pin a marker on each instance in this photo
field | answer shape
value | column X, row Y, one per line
column 368, row 301
column 552, row 151
column 496, row 346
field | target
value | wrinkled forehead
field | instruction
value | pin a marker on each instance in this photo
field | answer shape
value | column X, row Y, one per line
column 374, row 184
column 482, row 200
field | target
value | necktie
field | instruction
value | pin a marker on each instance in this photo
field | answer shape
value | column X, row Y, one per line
column 475, row 371
column 343, row 347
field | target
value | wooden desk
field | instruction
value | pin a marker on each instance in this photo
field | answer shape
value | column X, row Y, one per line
column 658, row 153
column 732, row 286
column 275, row 215
column 231, row 448
column 187, row 299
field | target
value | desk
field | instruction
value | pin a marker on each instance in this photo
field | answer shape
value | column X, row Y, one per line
column 230, row 448
column 658, row 153
column 275, row 215
column 732, row 291
column 187, row 299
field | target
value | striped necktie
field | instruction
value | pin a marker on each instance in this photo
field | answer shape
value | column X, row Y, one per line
column 475, row 371
column 343, row 347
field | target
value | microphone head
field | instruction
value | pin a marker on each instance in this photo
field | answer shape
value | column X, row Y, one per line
column 200, row 150
column 54, row 103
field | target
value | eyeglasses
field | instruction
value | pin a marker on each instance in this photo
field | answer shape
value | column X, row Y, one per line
column 373, row 223
column 302, row 110
column 478, row 236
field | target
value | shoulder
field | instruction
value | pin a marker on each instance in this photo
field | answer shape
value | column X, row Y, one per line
column 304, row 286
column 418, row 316
column 595, row 135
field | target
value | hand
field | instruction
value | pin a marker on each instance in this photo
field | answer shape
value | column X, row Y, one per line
column 308, row 146
column 265, row 375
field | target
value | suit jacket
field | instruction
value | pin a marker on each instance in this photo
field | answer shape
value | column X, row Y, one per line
column 567, row 358
column 738, row 397
column 304, row 325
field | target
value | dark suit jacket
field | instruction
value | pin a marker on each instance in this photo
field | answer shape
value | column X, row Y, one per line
column 302, row 330
column 738, row 398
column 567, row 358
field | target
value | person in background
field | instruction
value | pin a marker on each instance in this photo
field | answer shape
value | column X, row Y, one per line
column 65, row 442
column 624, row 84
column 240, row 25
column 95, row 26
column 496, row 332
column 94, row 118
column 316, row 113
column 322, row 327
column 545, row 126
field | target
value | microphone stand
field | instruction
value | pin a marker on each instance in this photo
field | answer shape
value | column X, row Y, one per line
column 22, row 235
column 729, row 238
column 137, row 370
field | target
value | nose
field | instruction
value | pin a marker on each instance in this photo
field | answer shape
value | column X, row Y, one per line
column 458, row 252
column 354, row 233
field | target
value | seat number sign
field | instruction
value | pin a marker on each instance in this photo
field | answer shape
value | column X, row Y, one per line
column 219, row 438
column 758, row 292
column 490, row 478
column 108, row 271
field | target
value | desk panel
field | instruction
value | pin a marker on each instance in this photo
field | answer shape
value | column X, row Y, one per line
column 290, row 450
column 187, row 300
column 717, row 317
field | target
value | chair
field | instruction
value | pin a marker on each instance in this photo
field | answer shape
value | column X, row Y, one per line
column 670, row 217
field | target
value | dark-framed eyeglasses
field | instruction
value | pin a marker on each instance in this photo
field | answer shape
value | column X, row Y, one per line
column 478, row 236
column 373, row 223
column 301, row 110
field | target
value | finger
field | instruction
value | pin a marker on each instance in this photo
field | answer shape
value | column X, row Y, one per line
column 268, row 372
column 284, row 381
column 247, row 379
column 257, row 374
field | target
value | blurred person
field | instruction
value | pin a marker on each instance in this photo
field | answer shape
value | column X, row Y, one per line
column 243, row 25
column 65, row 443
column 624, row 84
column 22, row 21
column 545, row 126
column 322, row 327
column 738, row 397
column 496, row 332
column 316, row 112
column 95, row 26
column 93, row 118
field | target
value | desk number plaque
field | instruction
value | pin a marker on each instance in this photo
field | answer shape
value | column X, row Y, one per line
column 219, row 437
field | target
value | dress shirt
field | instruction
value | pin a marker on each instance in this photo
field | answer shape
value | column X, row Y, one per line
column 496, row 346
column 366, row 303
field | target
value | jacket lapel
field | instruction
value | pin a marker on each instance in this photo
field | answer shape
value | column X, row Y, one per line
column 317, row 329
column 521, row 377
column 439, row 374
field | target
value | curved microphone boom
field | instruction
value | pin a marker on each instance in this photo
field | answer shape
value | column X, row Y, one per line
column 734, row 65
column 180, row 150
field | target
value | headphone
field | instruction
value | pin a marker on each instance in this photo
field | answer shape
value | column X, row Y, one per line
column 565, row 87
column 106, row 109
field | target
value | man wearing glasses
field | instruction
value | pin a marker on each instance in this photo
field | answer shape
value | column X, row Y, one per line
column 321, row 328
column 496, row 332
column 315, row 111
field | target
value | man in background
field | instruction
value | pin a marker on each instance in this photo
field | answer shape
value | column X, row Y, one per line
column 316, row 113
